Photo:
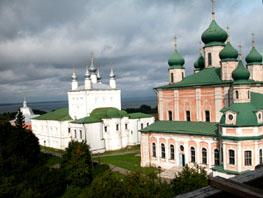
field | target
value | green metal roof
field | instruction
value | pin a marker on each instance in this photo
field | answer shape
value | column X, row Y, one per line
column 214, row 33
column 246, row 112
column 58, row 115
column 240, row 74
column 254, row 57
column 257, row 100
column 200, row 62
column 102, row 113
column 183, row 127
column 242, row 138
column 139, row 115
column 207, row 76
column 176, row 60
column 228, row 52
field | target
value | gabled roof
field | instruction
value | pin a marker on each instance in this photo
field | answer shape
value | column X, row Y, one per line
column 257, row 100
column 183, row 127
column 102, row 113
column 246, row 112
column 207, row 76
column 57, row 115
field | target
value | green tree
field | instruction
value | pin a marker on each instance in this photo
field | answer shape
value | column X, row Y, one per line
column 20, row 120
column 19, row 150
column 106, row 185
column 77, row 164
column 189, row 179
column 136, row 185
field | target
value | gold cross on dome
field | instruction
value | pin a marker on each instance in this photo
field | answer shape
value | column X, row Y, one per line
column 175, row 38
column 253, row 40
column 240, row 51
column 213, row 9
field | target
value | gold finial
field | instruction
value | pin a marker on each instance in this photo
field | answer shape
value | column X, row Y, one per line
column 253, row 40
column 175, row 46
column 200, row 47
column 240, row 51
column 213, row 9
column 74, row 68
column 228, row 33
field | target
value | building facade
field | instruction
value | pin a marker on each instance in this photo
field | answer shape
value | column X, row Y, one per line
column 214, row 116
column 93, row 115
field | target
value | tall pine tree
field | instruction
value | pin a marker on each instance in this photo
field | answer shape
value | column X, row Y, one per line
column 20, row 120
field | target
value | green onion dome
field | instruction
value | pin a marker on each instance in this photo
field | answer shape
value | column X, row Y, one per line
column 240, row 73
column 228, row 52
column 254, row 57
column 176, row 60
column 214, row 33
column 199, row 63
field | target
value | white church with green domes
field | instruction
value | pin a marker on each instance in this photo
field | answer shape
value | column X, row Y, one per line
column 93, row 115
column 213, row 117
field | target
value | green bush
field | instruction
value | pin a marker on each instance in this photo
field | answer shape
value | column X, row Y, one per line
column 189, row 179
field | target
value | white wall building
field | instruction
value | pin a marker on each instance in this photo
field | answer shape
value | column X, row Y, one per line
column 93, row 115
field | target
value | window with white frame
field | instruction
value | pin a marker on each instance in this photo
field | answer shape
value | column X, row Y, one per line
column 248, row 158
column 162, row 151
column 153, row 149
column 216, row 157
column 80, row 134
column 192, row 154
column 204, row 156
column 172, row 152
column 260, row 156
column 231, row 154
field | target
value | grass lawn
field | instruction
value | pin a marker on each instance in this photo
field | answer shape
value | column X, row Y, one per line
column 130, row 161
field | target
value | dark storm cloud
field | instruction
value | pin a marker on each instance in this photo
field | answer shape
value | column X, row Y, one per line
column 41, row 40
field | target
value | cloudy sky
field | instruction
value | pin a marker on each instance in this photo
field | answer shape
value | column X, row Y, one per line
column 40, row 40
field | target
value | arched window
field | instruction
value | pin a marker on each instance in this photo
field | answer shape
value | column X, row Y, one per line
column 209, row 59
column 237, row 96
column 170, row 115
column 207, row 116
column 172, row 77
column 154, row 149
column 216, row 157
column 231, row 157
column 204, row 156
column 188, row 116
column 80, row 134
column 193, row 154
column 172, row 152
column 260, row 156
column 162, row 151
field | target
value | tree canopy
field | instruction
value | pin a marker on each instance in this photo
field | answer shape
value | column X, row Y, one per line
column 77, row 164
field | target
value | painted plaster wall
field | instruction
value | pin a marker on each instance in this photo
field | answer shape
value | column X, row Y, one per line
column 195, row 100
column 214, row 50
column 198, row 142
column 81, row 103
column 51, row 133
